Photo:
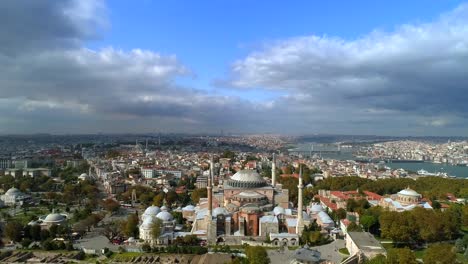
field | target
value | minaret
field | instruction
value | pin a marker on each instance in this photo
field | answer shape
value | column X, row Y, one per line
column 209, row 188
column 300, row 222
column 212, row 170
column 273, row 171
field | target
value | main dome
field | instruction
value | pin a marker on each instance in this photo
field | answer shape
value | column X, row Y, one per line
column 409, row 192
column 246, row 179
column 54, row 218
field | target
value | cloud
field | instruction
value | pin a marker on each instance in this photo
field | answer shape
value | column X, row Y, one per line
column 405, row 81
column 31, row 25
column 415, row 71
column 48, row 74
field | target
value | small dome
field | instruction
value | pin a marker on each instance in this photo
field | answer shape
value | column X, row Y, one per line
column 13, row 192
column 279, row 210
column 189, row 208
column 84, row 175
column 165, row 216
column 164, row 208
column 409, row 192
column 219, row 211
column 54, row 218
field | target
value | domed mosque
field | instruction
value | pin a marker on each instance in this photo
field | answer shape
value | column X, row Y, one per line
column 405, row 200
column 149, row 217
column 247, row 205
column 13, row 197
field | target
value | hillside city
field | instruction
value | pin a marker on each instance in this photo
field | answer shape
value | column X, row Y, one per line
column 227, row 199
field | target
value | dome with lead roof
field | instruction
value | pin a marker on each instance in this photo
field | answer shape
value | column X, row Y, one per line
column 54, row 218
column 165, row 216
column 246, row 179
column 409, row 192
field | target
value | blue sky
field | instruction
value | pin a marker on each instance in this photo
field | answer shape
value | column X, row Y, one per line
column 342, row 67
column 208, row 35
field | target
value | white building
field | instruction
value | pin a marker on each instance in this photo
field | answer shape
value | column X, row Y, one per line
column 13, row 196
column 149, row 218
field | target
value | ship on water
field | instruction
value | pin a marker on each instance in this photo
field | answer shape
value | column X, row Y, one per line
column 436, row 174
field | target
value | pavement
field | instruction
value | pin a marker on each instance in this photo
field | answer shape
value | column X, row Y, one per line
column 328, row 252
column 94, row 241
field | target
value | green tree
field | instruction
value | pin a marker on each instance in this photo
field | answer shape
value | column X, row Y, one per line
column 400, row 256
column 13, row 231
column 379, row 259
column 130, row 227
column 110, row 205
column 440, row 254
column 198, row 193
column 353, row 227
column 257, row 255
column 367, row 221
column 156, row 228
column 158, row 199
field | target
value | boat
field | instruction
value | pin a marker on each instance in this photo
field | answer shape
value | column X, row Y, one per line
column 437, row 174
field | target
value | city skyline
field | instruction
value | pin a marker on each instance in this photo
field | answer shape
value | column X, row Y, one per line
column 391, row 68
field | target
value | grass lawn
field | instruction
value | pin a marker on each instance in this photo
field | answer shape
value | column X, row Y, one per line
column 126, row 255
column 462, row 258
column 420, row 253
column 344, row 251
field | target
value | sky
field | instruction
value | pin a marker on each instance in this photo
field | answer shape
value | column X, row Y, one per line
column 302, row 67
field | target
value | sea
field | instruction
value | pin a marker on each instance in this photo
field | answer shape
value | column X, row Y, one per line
column 451, row 170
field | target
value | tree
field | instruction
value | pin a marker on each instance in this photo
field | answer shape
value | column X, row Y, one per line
column 400, row 256
column 35, row 232
column 146, row 247
column 459, row 245
column 199, row 193
column 379, row 259
column 257, row 255
column 111, row 230
column 440, row 254
column 171, row 197
column 110, row 205
column 130, row 227
column 340, row 213
column 156, row 228
column 158, row 199
column 367, row 221
column 353, row 227
column 13, row 231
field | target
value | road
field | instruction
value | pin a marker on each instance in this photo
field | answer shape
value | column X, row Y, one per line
column 328, row 252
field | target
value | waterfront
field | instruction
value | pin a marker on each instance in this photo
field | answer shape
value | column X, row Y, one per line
column 458, row 171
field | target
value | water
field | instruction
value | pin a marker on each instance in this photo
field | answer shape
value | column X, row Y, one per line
column 347, row 154
column 458, row 171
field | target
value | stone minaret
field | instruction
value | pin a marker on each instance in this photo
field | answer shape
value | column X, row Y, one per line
column 212, row 170
column 210, row 224
column 273, row 171
column 300, row 221
column 209, row 189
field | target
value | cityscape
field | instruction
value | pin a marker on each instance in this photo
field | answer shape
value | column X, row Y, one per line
column 233, row 132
